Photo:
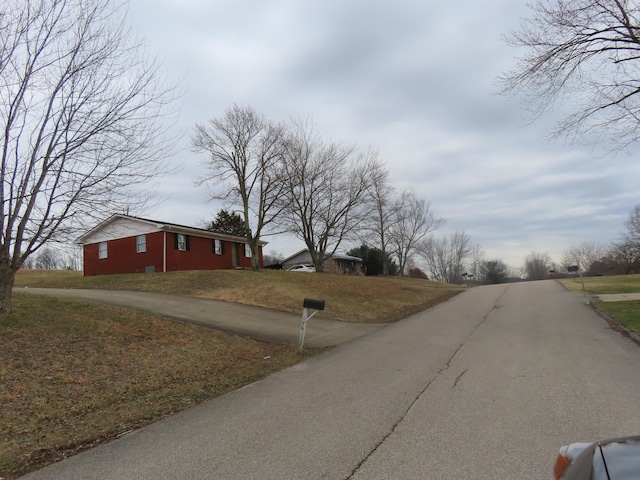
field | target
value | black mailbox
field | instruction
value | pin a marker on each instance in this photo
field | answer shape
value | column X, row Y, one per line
column 315, row 304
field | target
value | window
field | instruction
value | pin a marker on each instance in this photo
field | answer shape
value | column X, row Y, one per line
column 218, row 247
column 247, row 250
column 102, row 250
column 141, row 243
column 181, row 241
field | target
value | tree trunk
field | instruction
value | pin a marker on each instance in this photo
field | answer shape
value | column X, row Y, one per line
column 7, row 276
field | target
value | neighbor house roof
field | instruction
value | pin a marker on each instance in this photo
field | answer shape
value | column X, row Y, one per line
column 337, row 256
column 163, row 226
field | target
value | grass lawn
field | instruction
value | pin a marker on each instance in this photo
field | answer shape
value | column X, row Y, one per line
column 348, row 298
column 604, row 285
column 627, row 313
column 74, row 374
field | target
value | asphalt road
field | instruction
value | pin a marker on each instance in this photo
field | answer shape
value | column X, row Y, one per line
column 487, row 385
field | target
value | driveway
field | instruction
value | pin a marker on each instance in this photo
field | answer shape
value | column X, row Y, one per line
column 254, row 322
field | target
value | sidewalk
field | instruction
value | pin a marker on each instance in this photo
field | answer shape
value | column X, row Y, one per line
column 254, row 322
column 616, row 297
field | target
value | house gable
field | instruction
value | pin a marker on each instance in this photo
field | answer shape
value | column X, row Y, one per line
column 119, row 227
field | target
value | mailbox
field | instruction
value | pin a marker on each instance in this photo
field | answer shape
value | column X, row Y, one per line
column 315, row 304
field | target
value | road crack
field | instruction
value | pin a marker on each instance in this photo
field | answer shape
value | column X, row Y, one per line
column 446, row 366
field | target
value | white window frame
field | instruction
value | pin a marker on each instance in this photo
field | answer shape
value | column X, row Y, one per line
column 247, row 250
column 182, row 242
column 141, row 243
column 217, row 246
column 103, row 250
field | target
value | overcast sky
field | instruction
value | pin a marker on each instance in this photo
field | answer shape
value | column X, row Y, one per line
column 414, row 79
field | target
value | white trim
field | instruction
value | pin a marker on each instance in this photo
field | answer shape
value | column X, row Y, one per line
column 164, row 253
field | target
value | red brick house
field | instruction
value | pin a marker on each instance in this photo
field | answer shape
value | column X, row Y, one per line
column 126, row 244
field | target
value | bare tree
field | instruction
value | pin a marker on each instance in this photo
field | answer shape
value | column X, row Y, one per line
column 589, row 51
column 273, row 258
column 413, row 220
column 476, row 261
column 83, row 123
column 446, row 256
column 244, row 165
column 326, row 185
column 632, row 235
column 536, row 266
column 383, row 212
column 48, row 259
column 583, row 255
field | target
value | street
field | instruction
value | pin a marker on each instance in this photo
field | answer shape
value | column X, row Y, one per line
column 486, row 385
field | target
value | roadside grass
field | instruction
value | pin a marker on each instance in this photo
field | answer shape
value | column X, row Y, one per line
column 628, row 312
column 348, row 298
column 604, row 285
column 74, row 374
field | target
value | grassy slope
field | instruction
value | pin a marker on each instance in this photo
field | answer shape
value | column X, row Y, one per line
column 74, row 374
column 350, row 299
column 627, row 313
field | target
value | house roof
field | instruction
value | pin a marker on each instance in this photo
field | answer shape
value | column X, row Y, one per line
column 166, row 226
column 337, row 256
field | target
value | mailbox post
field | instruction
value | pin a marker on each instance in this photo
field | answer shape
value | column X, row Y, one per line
column 308, row 303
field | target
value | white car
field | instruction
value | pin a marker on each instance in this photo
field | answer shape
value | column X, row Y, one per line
column 302, row 268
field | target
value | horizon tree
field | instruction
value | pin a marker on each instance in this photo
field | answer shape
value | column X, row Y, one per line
column 244, row 164
column 536, row 266
column 446, row 256
column 83, row 116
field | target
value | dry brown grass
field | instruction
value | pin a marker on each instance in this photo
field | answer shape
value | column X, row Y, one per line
column 348, row 298
column 74, row 374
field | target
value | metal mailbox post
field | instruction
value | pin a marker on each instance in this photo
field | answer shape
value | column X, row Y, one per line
column 308, row 303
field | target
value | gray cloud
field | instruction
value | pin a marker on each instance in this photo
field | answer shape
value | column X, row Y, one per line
column 416, row 80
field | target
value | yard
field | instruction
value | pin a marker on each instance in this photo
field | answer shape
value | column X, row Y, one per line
column 75, row 374
column 627, row 313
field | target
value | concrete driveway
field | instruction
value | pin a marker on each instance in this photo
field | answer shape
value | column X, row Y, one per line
column 254, row 322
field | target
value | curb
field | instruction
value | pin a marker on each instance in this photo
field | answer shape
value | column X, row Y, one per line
column 615, row 325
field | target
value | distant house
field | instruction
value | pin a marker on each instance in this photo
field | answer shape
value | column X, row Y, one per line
column 126, row 244
column 336, row 263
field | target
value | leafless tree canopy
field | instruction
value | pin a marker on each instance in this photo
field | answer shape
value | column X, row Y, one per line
column 326, row 190
column 82, row 122
column 245, row 152
column 446, row 256
column 536, row 266
column 583, row 255
column 383, row 213
column 412, row 221
column 587, row 51
column 632, row 235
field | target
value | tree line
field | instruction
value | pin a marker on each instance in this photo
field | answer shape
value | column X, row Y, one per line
column 621, row 257
column 291, row 179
